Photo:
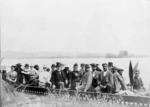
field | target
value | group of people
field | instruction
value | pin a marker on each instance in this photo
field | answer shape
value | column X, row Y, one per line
column 83, row 77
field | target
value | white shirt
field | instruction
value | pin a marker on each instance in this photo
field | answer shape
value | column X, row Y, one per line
column 44, row 76
column 105, row 73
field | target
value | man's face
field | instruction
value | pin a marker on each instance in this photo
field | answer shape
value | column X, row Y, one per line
column 82, row 67
column 75, row 68
column 31, row 67
column 59, row 68
column 137, row 73
column 87, row 69
column 53, row 68
column 110, row 68
column 94, row 68
column 12, row 68
column 105, row 67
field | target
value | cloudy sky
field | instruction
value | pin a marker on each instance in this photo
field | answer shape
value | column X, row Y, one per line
column 97, row 26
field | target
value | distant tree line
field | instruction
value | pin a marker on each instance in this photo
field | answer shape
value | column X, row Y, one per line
column 122, row 54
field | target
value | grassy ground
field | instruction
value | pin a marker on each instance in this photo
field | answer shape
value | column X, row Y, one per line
column 11, row 98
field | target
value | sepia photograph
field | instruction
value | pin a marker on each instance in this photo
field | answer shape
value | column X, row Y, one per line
column 74, row 53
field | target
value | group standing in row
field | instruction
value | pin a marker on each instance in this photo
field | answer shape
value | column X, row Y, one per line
column 89, row 77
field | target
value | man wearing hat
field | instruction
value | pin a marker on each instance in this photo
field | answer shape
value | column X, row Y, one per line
column 110, row 66
column 19, row 70
column 118, row 81
column 106, row 79
column 74, row 77
column 26, row 72
column 66, row 72
column 86, row 80
column 58, row 77
column 96, row 78
column 53, row 68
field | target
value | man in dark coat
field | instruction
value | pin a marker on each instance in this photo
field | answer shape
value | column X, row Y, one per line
column 58, row 77
column 96, row 78
column 66, row 73
column 74, row 77
column 19, row 70
column 53, row 69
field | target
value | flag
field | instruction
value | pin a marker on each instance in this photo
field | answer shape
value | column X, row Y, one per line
column 131, row 73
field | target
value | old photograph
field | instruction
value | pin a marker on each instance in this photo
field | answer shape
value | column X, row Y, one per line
column 74, row 53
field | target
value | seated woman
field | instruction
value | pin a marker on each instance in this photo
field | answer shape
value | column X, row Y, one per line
column 12, row 76
column 138, row 85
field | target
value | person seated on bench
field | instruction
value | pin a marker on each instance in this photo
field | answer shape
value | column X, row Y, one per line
column 44, row 77
column 86, row 80
column 12, row 76
column 138, row 82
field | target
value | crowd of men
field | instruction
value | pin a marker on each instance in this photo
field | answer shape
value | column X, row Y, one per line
column 83, row 77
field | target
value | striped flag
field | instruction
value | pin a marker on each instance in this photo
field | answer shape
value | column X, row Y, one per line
column 135, row 68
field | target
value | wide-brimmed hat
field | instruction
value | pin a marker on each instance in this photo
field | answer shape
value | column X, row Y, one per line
column 120, row 69
column 26, row 65
column 93, row 65
column 115, row 68
column 87, row 66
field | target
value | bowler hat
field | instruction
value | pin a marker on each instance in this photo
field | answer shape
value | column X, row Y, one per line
column 58, row 64
column 110, row 64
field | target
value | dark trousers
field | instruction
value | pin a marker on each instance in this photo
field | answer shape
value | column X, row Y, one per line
column 108, row 89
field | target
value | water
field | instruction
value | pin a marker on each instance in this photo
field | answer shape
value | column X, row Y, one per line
column 119, row 62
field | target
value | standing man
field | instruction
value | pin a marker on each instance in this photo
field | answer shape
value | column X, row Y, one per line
column 106, row 80
column 86, row 80
column 118, row 82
